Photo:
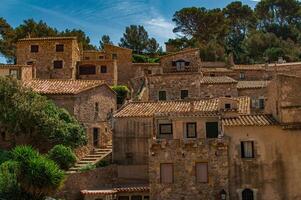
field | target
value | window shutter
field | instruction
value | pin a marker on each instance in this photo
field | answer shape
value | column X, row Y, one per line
column 173, row 63
column 166, row 173
column 202, row 172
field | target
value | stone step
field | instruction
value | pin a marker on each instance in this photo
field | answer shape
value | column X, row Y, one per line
column 86, row 161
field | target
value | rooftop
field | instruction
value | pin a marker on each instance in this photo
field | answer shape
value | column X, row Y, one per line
column 217, row 80
column 250, row 120
column 149, row 109
column 181, row 52
column 48, row 38
column 252, row 84
column 62, row 86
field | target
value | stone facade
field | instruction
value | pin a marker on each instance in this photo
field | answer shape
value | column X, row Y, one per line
column 20, row 72
column 98, row 70
column 218, row 90
column 53, row 58
column 82, row 106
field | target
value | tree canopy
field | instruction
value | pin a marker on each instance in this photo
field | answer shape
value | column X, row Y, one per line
column 105, row 39
column 25, row 112
column 252, row 36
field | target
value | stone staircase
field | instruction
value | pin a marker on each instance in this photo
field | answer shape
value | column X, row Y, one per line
column 95, row 156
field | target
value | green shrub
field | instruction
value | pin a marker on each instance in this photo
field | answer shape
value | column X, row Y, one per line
column 102, row 163
column 9, row 188
column 4, row 156
column 63, row 156
column 87, row 168
column 137, row 58
column 122, row 92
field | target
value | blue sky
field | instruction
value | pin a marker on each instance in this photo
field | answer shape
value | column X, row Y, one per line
column 98, row 17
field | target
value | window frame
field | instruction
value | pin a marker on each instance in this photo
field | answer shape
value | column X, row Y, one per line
column 165, row 124
column 58, row 61
column 165, row 95
column 103, row 69
column 32, row 48
column 59, row 48
column 195, row 129
column 207, row 172
column 242, row 149
column 182, row 98
column 172, row 173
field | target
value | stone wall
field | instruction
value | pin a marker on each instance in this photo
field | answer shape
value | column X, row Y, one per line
column 110, row 76
column 274, row 172
column 190, row 55
column 184, row 155
column 173, row 84
column 130, row 140
column 124, row 62
column 218, row 90
column 44, row 58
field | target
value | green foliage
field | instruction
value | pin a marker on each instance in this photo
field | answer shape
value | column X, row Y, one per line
column 273, row 30
column 144, row 59
column 63, row 156
column 4, row 156
column 102, row 163
column 25, row 112
column 136, row 38
column 122, row 92
column 29, row 175
column 87, row 168
column 105, row 39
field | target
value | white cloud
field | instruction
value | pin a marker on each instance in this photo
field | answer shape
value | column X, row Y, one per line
column 160, row 27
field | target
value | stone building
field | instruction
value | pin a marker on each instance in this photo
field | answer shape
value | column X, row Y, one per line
column 52, row 57
column 20, row 72
column 91, row 102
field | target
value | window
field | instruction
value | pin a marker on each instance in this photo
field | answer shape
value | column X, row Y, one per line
column 87, row 70
column 247, row 149
column 191, row 130
column 58, row 64
column 184, row 94
column 14, row 73
column 101, row 57
column 247, row 194
column 136, row 197
column 146, row 197
column 227, row 106
column 242, row 76
column 30, row 63
column 261, row 103
column 162, row 95
column 103, row 69
column 165, row 129
column 166, row 173
column 123, row 198
column 96, row 110
column 59, row 48
column 202, row 172
column 87, row 58
column 212, row 129
column 212, row 75
column 180, row 64
column 95, row 136
column 34, row 48
column 114, row 56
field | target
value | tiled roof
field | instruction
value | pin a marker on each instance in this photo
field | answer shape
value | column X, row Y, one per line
column 250, row 120
column 249, row 67
column 13, row 66
column 149, row 109
column 251, row 84
column 217, row 80
column 62, row 86
column 181, row 52
column 48, row 38
column 116, row 190
column 215, row 69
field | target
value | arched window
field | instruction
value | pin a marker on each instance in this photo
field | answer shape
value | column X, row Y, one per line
column 247, row 194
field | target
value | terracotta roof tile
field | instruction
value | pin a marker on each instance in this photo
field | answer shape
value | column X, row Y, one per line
column 149, row 109
column 62, row 86
column 252, row 84
column 250, row 120
column 217, row 80
column 116, row 190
